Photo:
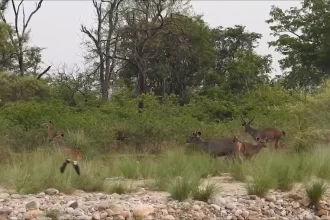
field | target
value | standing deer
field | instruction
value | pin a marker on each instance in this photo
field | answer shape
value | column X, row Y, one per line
column 248, row 149
column 217, row 148
column 68, row 150
column 272, row 134
column 51, row 133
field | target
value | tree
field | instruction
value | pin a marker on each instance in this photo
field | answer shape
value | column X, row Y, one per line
column 146, row 20
column 73, row 84
column 238, row 68
column 303, row 38
column 104, row 41
column 28, row 58
column 6, row 48
column 183, row 56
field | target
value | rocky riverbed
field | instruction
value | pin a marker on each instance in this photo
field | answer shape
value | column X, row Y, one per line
column 231, row 203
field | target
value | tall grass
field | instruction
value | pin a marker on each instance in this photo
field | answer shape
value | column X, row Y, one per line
column 173, row 170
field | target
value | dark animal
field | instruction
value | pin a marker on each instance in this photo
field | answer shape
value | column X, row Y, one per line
column 272, row 134
column 217, row 148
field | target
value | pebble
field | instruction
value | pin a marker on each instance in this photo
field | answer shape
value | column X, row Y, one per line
column 152, row 205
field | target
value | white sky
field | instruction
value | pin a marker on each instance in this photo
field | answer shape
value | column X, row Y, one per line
column 56, row 25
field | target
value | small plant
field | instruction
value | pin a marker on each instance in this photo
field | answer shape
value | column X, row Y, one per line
column 206, row 193
column 283, row 174
column 182, row 187
column 118, row 187
column 237, row 172
column 260, row 185
column 54, row 214
column 315, row 191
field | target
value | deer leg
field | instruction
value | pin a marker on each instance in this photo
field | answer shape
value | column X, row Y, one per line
column 276, row 144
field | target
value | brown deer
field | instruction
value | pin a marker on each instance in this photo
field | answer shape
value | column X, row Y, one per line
column 217, row 148
column 248, row 149
column 68, row 151
column 51, row 133
column 272, row 134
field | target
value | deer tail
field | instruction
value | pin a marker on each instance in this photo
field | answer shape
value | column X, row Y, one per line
column 283, row 132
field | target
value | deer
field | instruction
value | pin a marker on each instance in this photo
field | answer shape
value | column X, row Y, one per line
column 51, row 133
column 68, row 150
column 272, row 134
column 248, row 150
column 217, row 148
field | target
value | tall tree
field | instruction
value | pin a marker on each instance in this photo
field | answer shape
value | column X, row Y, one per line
column 104, row 41
column 183, row 56
column 145, row 21
column 28, row 58
column 238, row 68
column 303, row 38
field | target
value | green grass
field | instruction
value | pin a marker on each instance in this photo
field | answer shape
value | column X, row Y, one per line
column 205, row 193
column 315, row 191
column 174, row 170
column 118, row 187
column 182, row 187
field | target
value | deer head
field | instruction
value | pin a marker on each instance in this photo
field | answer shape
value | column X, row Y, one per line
column 195, row 138
column 247, row 125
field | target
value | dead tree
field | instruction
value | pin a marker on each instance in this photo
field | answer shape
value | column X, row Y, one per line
column 104, row 41
column 20, row 41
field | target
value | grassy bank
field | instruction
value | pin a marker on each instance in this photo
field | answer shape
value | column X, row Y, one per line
column 174, row 170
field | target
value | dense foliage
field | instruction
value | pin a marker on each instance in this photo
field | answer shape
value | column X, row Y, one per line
column 183, row 75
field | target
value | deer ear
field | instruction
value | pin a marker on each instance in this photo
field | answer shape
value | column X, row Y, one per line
column 199, row 133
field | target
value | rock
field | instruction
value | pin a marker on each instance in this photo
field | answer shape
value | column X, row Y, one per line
column 73, row 204
column 51, row 191
column 32, row 214
column 4, row 196
column 305, row 202
column 270, row 198
column 142, row 211
column 34, row 204
column 238, row 212
column 5, row 211
column 295, row 205
column 115, row 209
column 15, row 196
column 169, row 217
column 321, row 212
column 164, row 212
column 196, row 207
column 308, row 217
column 103, row 215
column 96, row 216
column 219, row 201
column 253, row 197
column 245, row 214
column 279, row 202
column 230, row 205
column 294, row 196
column 216, row 207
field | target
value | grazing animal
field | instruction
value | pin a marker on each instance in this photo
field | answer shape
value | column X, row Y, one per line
column 248, row 149
column 51, row 133
column 217, row 148
column 272, row 134
column 70, row 151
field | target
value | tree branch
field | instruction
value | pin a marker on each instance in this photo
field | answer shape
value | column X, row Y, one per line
column 44, row 72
